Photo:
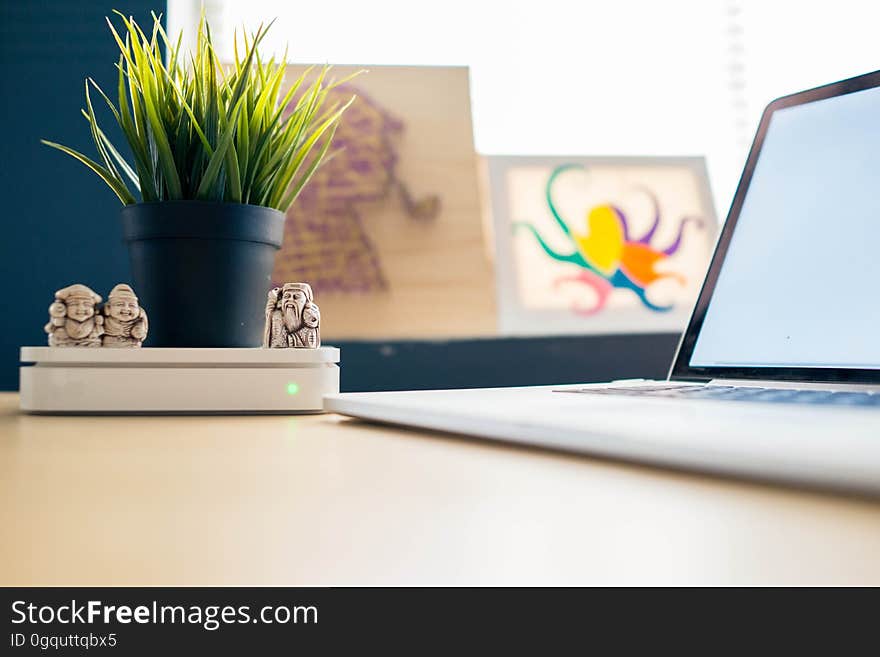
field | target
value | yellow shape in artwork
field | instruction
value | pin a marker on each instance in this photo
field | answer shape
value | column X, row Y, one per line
column 602, row 246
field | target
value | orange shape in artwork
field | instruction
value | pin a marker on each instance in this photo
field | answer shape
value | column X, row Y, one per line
column 637, row 262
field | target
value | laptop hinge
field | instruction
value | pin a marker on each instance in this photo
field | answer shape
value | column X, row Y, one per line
column 795, row 385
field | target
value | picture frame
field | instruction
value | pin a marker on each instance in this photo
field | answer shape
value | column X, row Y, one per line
column 599, row 244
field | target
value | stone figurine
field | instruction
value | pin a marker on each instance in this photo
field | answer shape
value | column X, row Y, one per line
column 309, row 334
column 125, row 322
column 73, row 318
column 292, row 318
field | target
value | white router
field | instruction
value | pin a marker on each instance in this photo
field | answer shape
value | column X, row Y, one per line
column 80, row 380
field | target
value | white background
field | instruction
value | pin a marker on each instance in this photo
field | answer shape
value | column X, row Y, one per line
column 629, row 77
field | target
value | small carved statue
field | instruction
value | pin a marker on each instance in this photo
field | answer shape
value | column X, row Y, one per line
column 292, row 318
column 73, row 321
column 125, row 322
column 309, row 335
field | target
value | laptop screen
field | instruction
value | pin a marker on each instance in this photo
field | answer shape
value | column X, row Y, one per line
column 797, row 283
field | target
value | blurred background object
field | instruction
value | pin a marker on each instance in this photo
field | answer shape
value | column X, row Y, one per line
column 599, row 244
column 389, row 233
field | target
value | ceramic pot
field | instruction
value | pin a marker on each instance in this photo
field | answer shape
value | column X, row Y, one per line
column 202, row 270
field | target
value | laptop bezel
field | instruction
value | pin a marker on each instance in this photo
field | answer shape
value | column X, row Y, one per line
column 681, row 369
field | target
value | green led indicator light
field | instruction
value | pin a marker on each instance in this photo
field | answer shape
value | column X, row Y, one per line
column 292, row 388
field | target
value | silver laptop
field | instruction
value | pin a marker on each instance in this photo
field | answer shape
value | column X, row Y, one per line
column 778, row 373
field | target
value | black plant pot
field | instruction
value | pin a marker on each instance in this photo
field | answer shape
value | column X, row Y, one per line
column 202, row 270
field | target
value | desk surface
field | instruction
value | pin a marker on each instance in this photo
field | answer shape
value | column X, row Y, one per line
column 325, row 500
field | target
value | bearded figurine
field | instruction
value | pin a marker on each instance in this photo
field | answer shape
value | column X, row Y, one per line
column 73, row 321
column 125, row 322
column 287, row 309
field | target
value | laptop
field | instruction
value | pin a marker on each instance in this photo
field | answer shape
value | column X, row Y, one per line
column 777, row 375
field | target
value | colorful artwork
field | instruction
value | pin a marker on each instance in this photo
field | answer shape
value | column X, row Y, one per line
column 599, row 244
column 608, row 255
column 326, row 240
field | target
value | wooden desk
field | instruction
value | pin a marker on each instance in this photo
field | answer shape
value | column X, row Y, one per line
column 325, row 500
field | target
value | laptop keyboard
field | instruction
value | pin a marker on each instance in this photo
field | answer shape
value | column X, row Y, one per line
column 741, row 394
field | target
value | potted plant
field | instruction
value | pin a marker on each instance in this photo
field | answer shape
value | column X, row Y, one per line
column 218, row 155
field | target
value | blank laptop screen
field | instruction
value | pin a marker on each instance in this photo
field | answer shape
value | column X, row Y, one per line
column 800, row 284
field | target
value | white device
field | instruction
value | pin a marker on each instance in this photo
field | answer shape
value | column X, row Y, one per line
column 778, row 373
column 72, row 380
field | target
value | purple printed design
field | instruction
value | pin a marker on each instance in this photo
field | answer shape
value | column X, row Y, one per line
column 325, row 239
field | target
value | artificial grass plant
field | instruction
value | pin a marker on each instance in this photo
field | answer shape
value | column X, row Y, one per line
column 197, row 130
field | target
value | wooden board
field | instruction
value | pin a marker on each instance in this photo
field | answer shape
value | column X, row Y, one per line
column 383, row 264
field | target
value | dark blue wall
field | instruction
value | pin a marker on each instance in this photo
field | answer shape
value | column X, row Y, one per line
column 490, row 363
column 59, row 221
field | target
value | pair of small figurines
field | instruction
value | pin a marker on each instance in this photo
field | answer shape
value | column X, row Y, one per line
column 292, row 318
column 76, row 321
